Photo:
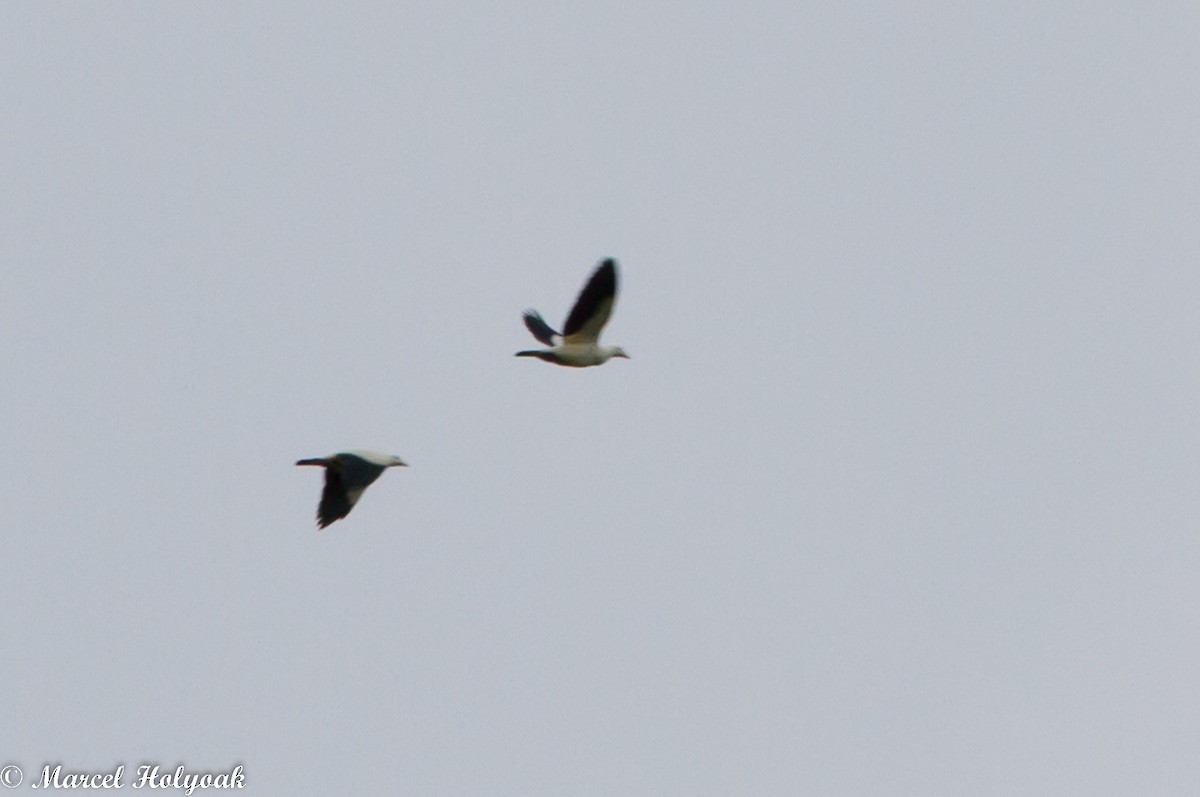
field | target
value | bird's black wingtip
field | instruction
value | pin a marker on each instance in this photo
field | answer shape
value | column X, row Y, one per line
column 327, row 517
column 606, row 273
column 607, row 267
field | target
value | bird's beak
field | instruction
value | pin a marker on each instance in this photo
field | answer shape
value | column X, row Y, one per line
column 311, row 462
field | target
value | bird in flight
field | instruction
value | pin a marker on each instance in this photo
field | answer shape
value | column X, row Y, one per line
column 346, row 476
column 578, row 345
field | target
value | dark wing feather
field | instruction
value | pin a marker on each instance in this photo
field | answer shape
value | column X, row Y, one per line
column 538, row 326
column 335, row 504
column 592, row 308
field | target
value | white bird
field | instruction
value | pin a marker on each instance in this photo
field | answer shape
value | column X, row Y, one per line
column 578, row 346
column 346, row 476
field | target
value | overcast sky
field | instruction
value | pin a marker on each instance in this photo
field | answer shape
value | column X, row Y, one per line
column 898, row 494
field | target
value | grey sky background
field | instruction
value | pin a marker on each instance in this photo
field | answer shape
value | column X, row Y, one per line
column 897, row 496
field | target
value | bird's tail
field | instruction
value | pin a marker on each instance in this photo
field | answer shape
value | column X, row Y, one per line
column 541, row 355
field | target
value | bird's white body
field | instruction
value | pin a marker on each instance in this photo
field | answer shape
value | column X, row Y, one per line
column 375, row 458
column 580, row 355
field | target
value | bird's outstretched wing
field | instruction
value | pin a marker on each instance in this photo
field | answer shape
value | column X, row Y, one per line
column 538, row 326
column 594, row 305
column 335, row 503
